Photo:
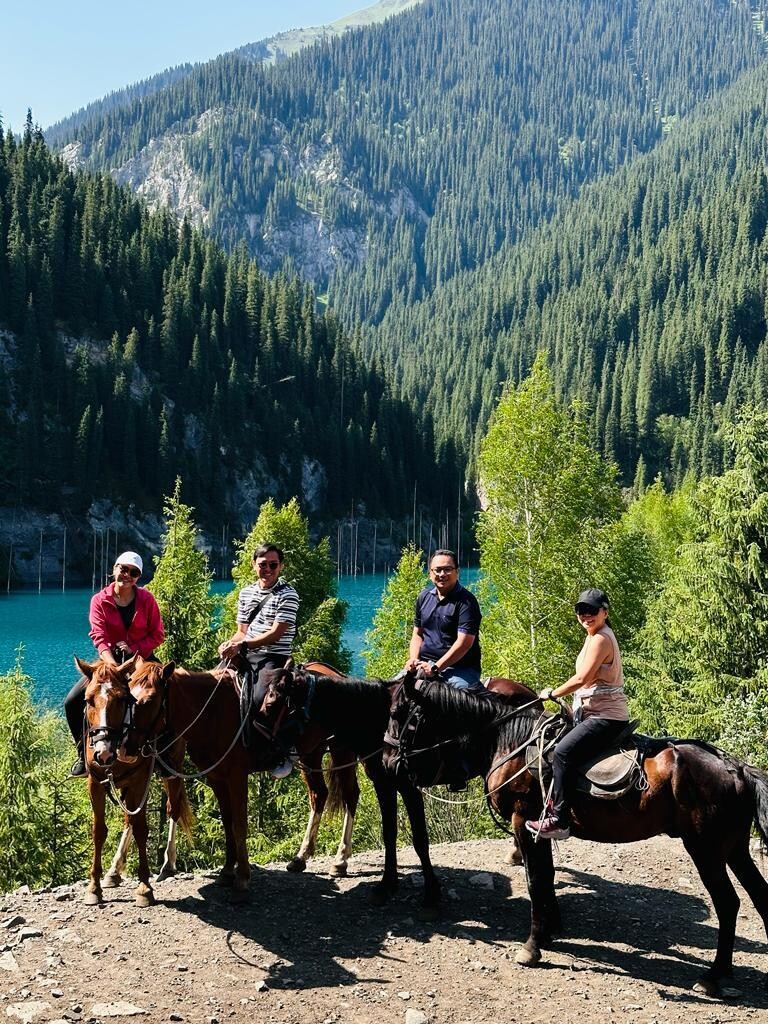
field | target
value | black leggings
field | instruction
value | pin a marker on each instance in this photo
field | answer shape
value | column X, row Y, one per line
column 585, row 740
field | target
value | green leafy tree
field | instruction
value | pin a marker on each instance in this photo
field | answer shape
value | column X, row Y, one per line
column 181, row 585
column 706, row 637
column 388, row 639
column 548, row 497
column 309, row 568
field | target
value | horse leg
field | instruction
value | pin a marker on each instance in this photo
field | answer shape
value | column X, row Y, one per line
column 386, row 794
column 414, row 805
column 238, row 803
column 178, row 809
column 741, row 864
column 114, row 875
column 317, row 792
column 345, row 780
column 514, row 857
column 540, row 876
column 226, row 875
column 93, row 894
column 710, row 864
column 144, row 895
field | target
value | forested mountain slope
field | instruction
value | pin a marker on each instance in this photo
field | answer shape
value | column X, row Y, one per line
column 135, row 351
column 272, row 49
column 387, row 161
column 648, row 293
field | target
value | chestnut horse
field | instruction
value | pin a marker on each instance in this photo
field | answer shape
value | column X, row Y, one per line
column 203, row 709
column 120, row 724
column 695, row 792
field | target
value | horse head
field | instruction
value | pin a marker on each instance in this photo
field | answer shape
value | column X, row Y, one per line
column 107, row 708
column 147, row 684
column 287, row 690
column 405, row 741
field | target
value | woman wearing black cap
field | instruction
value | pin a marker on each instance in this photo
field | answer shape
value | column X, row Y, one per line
column 599, row 708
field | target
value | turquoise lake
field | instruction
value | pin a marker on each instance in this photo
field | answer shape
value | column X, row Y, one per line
column 53, row 626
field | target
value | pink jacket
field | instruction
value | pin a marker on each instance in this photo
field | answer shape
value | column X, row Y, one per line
column 107, row 629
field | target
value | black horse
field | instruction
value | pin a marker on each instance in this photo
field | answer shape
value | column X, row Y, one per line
column 355, row 712
column 694, row 792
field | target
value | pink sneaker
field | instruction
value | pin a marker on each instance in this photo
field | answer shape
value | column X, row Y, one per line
column 548, row 828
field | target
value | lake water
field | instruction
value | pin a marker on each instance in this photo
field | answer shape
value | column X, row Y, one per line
column 53, row 626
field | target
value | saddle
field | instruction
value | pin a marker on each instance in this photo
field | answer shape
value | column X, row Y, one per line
column 611, row 773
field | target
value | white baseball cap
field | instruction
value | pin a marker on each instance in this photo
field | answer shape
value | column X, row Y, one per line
column 130, row 558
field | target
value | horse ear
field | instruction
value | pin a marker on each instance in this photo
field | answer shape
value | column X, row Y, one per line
column 84, row 667
column 168, row 670
column 289, row 664
column 409, row 684
column 128, row 666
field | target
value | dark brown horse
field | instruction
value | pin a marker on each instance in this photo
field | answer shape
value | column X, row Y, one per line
column 355, row 711
column 120, row 726
column 203, row 710
column 695, row 792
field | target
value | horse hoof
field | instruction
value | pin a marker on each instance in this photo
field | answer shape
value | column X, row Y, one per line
column 527, row 957
column 338, row 871
column 429, row 914
column 381, row 895
column 712, row 988
column 225, row 880
column 164, row 873
column 145, row 899
column 514, row 858
column 92, row 899
column 296, row 865
column 111, row 880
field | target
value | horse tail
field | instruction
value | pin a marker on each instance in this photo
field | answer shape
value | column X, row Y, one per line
column 758, row 783
column 186, row 816
column 336, row 777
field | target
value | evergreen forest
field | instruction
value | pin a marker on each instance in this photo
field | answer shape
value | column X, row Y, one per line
column 496, row 178
column 136, row 349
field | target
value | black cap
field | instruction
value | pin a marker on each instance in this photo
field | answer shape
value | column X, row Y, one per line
column 592, row 599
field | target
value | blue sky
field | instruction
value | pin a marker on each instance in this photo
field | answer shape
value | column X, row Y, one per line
column 57, row 55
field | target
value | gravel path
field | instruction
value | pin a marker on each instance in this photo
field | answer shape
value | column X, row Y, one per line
column 311, row 949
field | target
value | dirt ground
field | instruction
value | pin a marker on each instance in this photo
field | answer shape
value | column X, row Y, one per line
column 307, row 949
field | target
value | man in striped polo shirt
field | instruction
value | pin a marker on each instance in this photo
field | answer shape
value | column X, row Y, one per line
column 266, row 624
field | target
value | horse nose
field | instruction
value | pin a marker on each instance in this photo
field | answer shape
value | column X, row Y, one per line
column 104, row 758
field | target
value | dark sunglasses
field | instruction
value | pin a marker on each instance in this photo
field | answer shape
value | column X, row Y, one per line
column 586, row 609
column 267, row 565
column 130, row 569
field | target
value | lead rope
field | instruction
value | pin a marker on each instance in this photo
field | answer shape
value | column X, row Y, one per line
column 114, row 792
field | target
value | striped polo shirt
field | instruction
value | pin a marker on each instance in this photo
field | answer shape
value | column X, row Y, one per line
column 281, row 605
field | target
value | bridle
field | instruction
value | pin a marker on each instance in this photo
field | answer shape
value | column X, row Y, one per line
column 117, row 736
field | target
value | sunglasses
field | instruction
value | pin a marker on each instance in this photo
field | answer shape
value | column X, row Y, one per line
column 131, row 570
column 439, row 569
column 586, row 610
column 267, row 565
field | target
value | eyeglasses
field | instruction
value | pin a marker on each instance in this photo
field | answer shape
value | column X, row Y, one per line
column 131, row 570
column 440, row 569
column 267, row 565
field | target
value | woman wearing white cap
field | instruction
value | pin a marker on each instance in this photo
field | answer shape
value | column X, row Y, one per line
column 600, row 710
column 125, row 620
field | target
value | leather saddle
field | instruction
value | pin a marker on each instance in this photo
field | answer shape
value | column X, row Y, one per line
column 612, row 772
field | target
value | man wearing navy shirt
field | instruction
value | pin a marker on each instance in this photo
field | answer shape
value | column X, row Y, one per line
column 446, row 626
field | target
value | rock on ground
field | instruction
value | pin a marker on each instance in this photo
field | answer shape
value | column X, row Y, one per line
column 308, row 948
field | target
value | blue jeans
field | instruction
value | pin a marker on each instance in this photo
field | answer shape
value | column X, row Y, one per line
column 463, row 678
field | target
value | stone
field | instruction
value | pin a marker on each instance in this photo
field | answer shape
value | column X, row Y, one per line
column 28, row 933
column 404, row 995
column 176, row 1016
column 261, row 986
column 8, row 962
column 14, row 922
column 415, row 1017
column 27, row 1011
column 482, row 880
column 119, row 1009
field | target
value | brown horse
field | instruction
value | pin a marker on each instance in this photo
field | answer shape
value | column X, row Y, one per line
column 120, row 724
column 695, row 792
column 203, row 709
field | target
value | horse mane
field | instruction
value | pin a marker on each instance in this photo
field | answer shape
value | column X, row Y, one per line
column 353, row 706
column 472, row 712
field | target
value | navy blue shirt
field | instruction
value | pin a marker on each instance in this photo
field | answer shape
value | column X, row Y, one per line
column 440, row 623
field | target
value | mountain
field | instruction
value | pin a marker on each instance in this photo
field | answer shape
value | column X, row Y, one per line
column 134, row 351
column 267, row 51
